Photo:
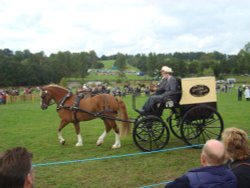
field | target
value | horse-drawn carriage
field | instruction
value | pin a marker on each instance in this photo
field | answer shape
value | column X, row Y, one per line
column 193, row 115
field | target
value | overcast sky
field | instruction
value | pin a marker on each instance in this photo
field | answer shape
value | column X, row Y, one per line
column 127, row 26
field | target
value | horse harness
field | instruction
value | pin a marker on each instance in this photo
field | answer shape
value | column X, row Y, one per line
column 75, row 107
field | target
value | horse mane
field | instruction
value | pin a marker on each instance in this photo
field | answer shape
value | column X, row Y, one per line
column 58, row 86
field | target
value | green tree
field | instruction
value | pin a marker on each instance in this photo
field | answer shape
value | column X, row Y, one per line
column 151, row 64
column 208, row 72
column 120, row 62
column 93, row 58
column 141, row 61
column 247, row 47
column 193, row 67
column 242, row 65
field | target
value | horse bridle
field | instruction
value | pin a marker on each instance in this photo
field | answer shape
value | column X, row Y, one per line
column 45, row 105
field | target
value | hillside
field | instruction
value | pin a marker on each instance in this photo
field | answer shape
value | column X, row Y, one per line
column 108, row 64
column 109, row 73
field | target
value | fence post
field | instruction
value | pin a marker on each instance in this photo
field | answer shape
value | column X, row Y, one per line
column 8, row 99
column 33, row 98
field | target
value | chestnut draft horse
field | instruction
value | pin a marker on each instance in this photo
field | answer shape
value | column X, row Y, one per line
column 72, row 109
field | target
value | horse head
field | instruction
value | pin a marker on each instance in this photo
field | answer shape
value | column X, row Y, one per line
column 52, row 92
column 46, row 99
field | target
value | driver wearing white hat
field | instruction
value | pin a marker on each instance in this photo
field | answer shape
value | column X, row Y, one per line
column 166, row 87
column 166, row 69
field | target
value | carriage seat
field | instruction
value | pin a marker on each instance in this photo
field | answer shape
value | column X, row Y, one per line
column 170, row 101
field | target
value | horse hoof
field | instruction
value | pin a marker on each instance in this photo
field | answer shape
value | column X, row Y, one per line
column 79, row 144
column 62, row 142
column 116, row 146
column 98, row 143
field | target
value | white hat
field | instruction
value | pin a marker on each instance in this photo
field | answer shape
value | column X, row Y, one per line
column 166, row 69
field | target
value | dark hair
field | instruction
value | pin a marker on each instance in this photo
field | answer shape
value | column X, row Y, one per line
column 15, row 165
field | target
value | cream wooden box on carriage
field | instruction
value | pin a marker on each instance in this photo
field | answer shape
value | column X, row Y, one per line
column 195, row 92
column 198, row 90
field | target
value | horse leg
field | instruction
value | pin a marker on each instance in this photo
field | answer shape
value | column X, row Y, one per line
column 117, row 143
column 111, row 124
column 79, row 137
column 100, row 140
column 59, row 132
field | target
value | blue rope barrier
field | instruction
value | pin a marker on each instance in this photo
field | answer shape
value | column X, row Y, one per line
column 113, row 157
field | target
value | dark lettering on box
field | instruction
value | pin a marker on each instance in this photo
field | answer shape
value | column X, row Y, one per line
column 199, row 90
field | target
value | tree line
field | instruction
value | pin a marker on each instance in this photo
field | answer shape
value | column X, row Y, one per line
column 23, row 68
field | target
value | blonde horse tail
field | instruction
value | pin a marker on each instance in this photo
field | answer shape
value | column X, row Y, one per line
column 125, row 129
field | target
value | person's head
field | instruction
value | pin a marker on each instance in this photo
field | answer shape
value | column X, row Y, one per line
column 236, row 143
column 16, row 168
column 165, row 71
column 213, row 153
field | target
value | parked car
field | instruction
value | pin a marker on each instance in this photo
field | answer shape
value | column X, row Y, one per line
column 220, row 81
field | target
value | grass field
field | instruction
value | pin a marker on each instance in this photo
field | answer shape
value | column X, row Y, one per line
column 25, row 124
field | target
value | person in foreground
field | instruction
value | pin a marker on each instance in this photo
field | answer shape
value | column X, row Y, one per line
column 16, row 168
column 165, row 88
column 213, row 172
column 238, row 153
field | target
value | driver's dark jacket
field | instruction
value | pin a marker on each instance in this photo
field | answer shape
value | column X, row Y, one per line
column 166, row 86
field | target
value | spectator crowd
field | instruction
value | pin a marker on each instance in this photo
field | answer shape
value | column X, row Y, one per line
column 244, row 90
column 3, row 97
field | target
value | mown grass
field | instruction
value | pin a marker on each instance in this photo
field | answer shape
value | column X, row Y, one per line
column 108, row 64
column 25, row 124
column 116, row 77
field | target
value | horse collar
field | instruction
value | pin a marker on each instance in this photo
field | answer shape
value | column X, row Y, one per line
column 60, row 105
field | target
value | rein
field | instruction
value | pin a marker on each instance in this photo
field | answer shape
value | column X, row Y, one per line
column 52, row 103
column 101, row 115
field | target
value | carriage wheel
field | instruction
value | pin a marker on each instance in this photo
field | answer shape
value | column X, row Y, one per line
column 200, row 124
column 150, row 133
column 175, row 126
